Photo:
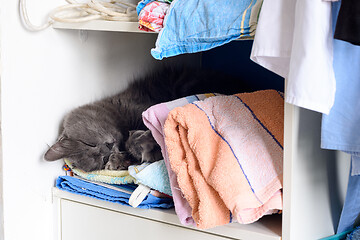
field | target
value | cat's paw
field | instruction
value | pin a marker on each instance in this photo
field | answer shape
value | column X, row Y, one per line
column 142, row 146
column 119, row 161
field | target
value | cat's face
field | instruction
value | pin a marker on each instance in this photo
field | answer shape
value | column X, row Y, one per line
column 88, row 141
column 82, row 155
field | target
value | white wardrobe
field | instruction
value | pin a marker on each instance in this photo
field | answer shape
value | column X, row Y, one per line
column 46, row 74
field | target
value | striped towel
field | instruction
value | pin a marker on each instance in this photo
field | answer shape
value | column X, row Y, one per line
column 198, row 25
column 104, row 176
column 154, row 118
column 226, row 153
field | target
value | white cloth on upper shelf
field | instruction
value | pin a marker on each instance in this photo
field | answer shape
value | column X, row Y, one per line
column 294, row 40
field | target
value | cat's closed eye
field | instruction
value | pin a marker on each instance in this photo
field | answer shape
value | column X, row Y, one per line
column 88, row 144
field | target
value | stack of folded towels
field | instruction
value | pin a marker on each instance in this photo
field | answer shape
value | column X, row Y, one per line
column 223, row 154
column 223, row 158
column 144, row 186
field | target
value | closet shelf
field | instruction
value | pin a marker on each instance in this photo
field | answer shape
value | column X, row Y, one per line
column 101, row 25
column 268, row 228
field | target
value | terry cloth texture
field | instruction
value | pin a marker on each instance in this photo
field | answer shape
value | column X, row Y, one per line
column 227, row 152
column 104, row 176
column 198, row 25
column 153, row 175
column 154, row 118
column 78, row 186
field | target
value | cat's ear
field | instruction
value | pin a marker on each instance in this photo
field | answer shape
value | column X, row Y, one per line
column 131, row 132
column 63, row 148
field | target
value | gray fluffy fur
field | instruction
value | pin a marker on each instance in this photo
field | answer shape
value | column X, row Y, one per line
column 96, row 136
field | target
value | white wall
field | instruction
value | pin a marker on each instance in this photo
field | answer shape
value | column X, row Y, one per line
column 44, row 75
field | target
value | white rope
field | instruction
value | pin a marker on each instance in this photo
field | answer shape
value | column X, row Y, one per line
column 26, row 20
column 74, row 12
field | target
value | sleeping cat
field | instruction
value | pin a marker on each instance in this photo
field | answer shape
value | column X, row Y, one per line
column 105, row 134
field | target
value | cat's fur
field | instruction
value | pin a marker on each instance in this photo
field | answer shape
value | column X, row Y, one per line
column 94, row 135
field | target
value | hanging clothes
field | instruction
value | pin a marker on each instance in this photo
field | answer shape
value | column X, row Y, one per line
column 293, row 39
column 340, row 129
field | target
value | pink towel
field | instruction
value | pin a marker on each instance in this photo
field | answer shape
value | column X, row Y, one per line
column 154, row 118
column 226, row 152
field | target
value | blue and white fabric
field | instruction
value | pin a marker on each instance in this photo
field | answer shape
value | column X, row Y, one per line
column 78, row 186
column 340, row 129
column 198, row 25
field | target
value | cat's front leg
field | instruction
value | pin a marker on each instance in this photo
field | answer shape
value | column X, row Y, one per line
column 120, row 161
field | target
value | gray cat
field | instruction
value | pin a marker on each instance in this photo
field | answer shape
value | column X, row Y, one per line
column 104, row 134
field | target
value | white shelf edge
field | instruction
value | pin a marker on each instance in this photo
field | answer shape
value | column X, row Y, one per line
column 101, row 25
column 268, row 228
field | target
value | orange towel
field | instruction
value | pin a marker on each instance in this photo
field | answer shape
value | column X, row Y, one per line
column 226, row 152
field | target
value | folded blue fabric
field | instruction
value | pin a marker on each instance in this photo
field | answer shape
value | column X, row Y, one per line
column 78, row 186
column 198, row 25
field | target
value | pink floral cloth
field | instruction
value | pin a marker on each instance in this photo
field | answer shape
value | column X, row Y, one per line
column 152, row 16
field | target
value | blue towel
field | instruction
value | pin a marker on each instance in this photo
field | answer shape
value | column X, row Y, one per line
column 198, row 25
column 153, row 175
column 78, row 186
column 340, row 129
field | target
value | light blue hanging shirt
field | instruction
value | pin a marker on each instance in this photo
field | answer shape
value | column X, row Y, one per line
column 341, row 128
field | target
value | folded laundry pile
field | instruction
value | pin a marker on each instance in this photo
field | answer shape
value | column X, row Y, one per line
column 226, row 152
column 103, row 176
column 223, row 159
column 198, row 25
column 116, row 193
column 144, row 186
column 223, row 155
column 154, row 118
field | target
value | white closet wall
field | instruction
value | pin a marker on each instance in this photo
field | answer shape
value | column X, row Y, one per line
column 44, row 75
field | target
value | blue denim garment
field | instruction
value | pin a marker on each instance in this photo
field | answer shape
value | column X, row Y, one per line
column 351, row 208
column 198, row 25
column 340, row 129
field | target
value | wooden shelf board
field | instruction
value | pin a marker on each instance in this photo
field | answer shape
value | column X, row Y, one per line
column 101, row 25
